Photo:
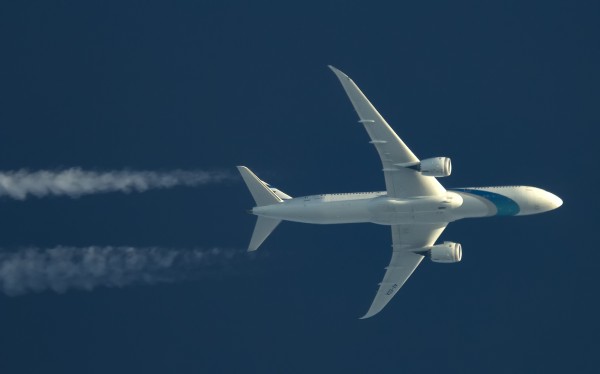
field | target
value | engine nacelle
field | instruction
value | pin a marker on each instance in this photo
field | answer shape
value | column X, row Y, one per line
column 446, row 253
column 436, row 167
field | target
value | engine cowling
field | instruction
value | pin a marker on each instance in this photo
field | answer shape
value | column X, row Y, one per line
column 436, row 167
column 446, row 253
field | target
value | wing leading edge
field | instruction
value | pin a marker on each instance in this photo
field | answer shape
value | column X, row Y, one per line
column 399, row 181
column 407, row 241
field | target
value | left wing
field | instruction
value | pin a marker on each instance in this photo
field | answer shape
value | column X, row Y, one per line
column 407, row 241
column 399, row 180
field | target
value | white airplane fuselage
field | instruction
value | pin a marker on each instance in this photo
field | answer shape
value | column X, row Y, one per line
column 377, row 207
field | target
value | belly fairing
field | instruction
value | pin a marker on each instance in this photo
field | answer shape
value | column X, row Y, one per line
column 432, row 209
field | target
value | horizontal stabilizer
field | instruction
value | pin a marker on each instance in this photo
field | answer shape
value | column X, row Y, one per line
column 264, row 227
column 261, row 193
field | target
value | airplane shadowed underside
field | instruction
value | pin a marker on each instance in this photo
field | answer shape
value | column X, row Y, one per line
column 415, row 205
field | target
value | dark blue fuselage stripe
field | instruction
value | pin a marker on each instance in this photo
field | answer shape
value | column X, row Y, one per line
column 504, row 205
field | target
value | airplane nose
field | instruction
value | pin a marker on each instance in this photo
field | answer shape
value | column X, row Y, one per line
column 549, row 201
column 541, row 201
column 555, row 200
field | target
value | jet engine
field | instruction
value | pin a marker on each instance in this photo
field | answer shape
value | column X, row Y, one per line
column 435, row 167
column 446, row 253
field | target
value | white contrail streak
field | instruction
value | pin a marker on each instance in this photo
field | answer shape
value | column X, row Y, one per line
column 62, row 268
column 76, row 182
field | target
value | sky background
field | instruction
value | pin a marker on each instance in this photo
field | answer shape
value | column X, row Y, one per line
column 509, row 90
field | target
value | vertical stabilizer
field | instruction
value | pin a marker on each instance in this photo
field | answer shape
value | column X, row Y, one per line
column 264, row 227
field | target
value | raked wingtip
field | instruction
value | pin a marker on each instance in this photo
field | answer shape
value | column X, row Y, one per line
column 338, row 72
column 368, row 315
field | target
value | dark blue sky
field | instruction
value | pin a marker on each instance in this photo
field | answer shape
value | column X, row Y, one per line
column 509, row 90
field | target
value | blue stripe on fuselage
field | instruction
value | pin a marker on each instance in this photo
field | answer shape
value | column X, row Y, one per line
column 505, row 206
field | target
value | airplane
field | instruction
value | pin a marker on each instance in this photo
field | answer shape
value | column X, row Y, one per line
column 415, row 205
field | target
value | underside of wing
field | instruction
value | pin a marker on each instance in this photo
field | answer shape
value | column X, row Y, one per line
column 408, row 241
column 400, row 181
column 398, row 271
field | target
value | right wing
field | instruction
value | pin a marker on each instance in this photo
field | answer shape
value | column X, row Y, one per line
column 399, row 180
column 408, row 240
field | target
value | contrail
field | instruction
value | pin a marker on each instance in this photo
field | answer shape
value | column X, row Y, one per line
column 63, row 268
column 75, row 182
